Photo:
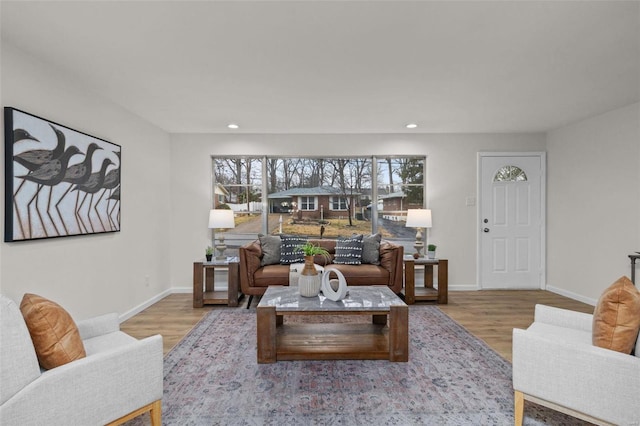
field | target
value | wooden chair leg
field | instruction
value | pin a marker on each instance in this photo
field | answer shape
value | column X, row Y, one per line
column 518, row 408
column 154, row 409
column 156, row 413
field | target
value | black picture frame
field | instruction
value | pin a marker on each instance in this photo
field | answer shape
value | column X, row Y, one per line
column 59, row 182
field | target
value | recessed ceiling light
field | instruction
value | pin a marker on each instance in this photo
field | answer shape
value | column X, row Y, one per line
column 233, row 126
column 411, row 126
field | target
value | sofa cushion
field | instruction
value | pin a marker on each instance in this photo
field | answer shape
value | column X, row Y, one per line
column 371, row 249
column 557, row 333
column 349, row 250
column 288, row 249
column 19, row 364
column 271, row 275
column 54, row 334
column 327, row 244
column 108, row 341
column 362, row 274
column 270, row 245
column 616, row 318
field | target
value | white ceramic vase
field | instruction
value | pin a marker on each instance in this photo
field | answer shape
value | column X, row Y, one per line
column 309, row 285
column 310, row 281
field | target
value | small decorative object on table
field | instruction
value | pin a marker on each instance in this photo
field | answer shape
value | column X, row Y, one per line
column 431, row 251
column 209, row 253
column 309, row 281
column 334, row 289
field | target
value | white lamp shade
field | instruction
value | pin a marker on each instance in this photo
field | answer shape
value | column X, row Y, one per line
column 221, row 219
column 418, row 218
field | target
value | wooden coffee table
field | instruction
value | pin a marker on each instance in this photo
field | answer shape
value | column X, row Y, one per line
column 278, row 341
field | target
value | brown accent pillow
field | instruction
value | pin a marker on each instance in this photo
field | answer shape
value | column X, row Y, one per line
column 616, row 318
column 55, row 335
column 387, row 255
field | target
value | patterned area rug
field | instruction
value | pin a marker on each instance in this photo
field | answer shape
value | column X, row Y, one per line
column 452, row 378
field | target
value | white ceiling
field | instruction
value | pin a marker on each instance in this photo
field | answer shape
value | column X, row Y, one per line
column 342, row 67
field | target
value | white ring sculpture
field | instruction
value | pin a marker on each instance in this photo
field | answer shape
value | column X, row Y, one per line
column 328, row 291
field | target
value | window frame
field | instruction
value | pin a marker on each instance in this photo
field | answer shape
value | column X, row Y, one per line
column 261, row 180
column 302, row 203
column 341, row 201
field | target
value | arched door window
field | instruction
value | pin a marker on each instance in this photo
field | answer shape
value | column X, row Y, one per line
column 510, row 174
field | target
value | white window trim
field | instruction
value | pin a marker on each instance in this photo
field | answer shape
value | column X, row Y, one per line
column 315, row 204
column 331, row 199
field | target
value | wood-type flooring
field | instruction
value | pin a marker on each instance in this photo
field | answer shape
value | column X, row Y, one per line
column 490, row 315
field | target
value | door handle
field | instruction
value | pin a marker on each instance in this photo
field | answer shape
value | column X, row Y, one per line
column 486, row 230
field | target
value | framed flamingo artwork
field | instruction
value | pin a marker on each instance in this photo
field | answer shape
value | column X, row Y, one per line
column 59, row 182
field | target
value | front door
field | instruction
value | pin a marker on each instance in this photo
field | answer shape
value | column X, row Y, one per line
column 511, row 243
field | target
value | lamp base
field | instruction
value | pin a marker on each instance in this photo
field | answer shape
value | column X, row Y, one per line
column 220, row 248
column 419, row 244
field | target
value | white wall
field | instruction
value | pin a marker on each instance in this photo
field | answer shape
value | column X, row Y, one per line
column 593, row 196
column 451, row 177
column 89, row 275
column 593, row 216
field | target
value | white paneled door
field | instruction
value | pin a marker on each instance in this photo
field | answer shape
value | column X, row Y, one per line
column 511, row 243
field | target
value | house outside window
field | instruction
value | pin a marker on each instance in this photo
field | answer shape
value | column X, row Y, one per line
column 308, row 195
column 307, row 203
column 338, row 203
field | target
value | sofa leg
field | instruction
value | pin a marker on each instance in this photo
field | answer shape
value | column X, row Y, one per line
column 518, row 408
column 249, row 301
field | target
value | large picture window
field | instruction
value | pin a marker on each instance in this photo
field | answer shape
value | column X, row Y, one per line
column 313, row 196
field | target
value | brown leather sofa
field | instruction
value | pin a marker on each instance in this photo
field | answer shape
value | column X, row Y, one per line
column 255, row 279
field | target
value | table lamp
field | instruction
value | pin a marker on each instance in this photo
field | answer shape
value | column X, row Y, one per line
column 221, row 219
column 418, row 218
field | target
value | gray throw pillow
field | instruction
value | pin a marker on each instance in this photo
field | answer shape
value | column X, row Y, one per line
column 349, row 250
column 270, row 245
column 371, row 249
column 288, row 246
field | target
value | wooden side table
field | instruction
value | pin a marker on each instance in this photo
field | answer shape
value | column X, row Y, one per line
column 427, row 292
column 204, row 292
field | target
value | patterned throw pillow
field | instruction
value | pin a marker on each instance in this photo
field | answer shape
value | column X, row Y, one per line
column 349, row 251
column 288, row 252
column 371, row 249
column 270, row 245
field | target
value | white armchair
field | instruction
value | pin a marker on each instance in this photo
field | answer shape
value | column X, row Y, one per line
column 556, row 365
column 120, row 378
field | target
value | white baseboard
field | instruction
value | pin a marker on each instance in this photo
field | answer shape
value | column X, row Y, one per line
column 463, row 287
column 144, row 305
column 572, row 295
